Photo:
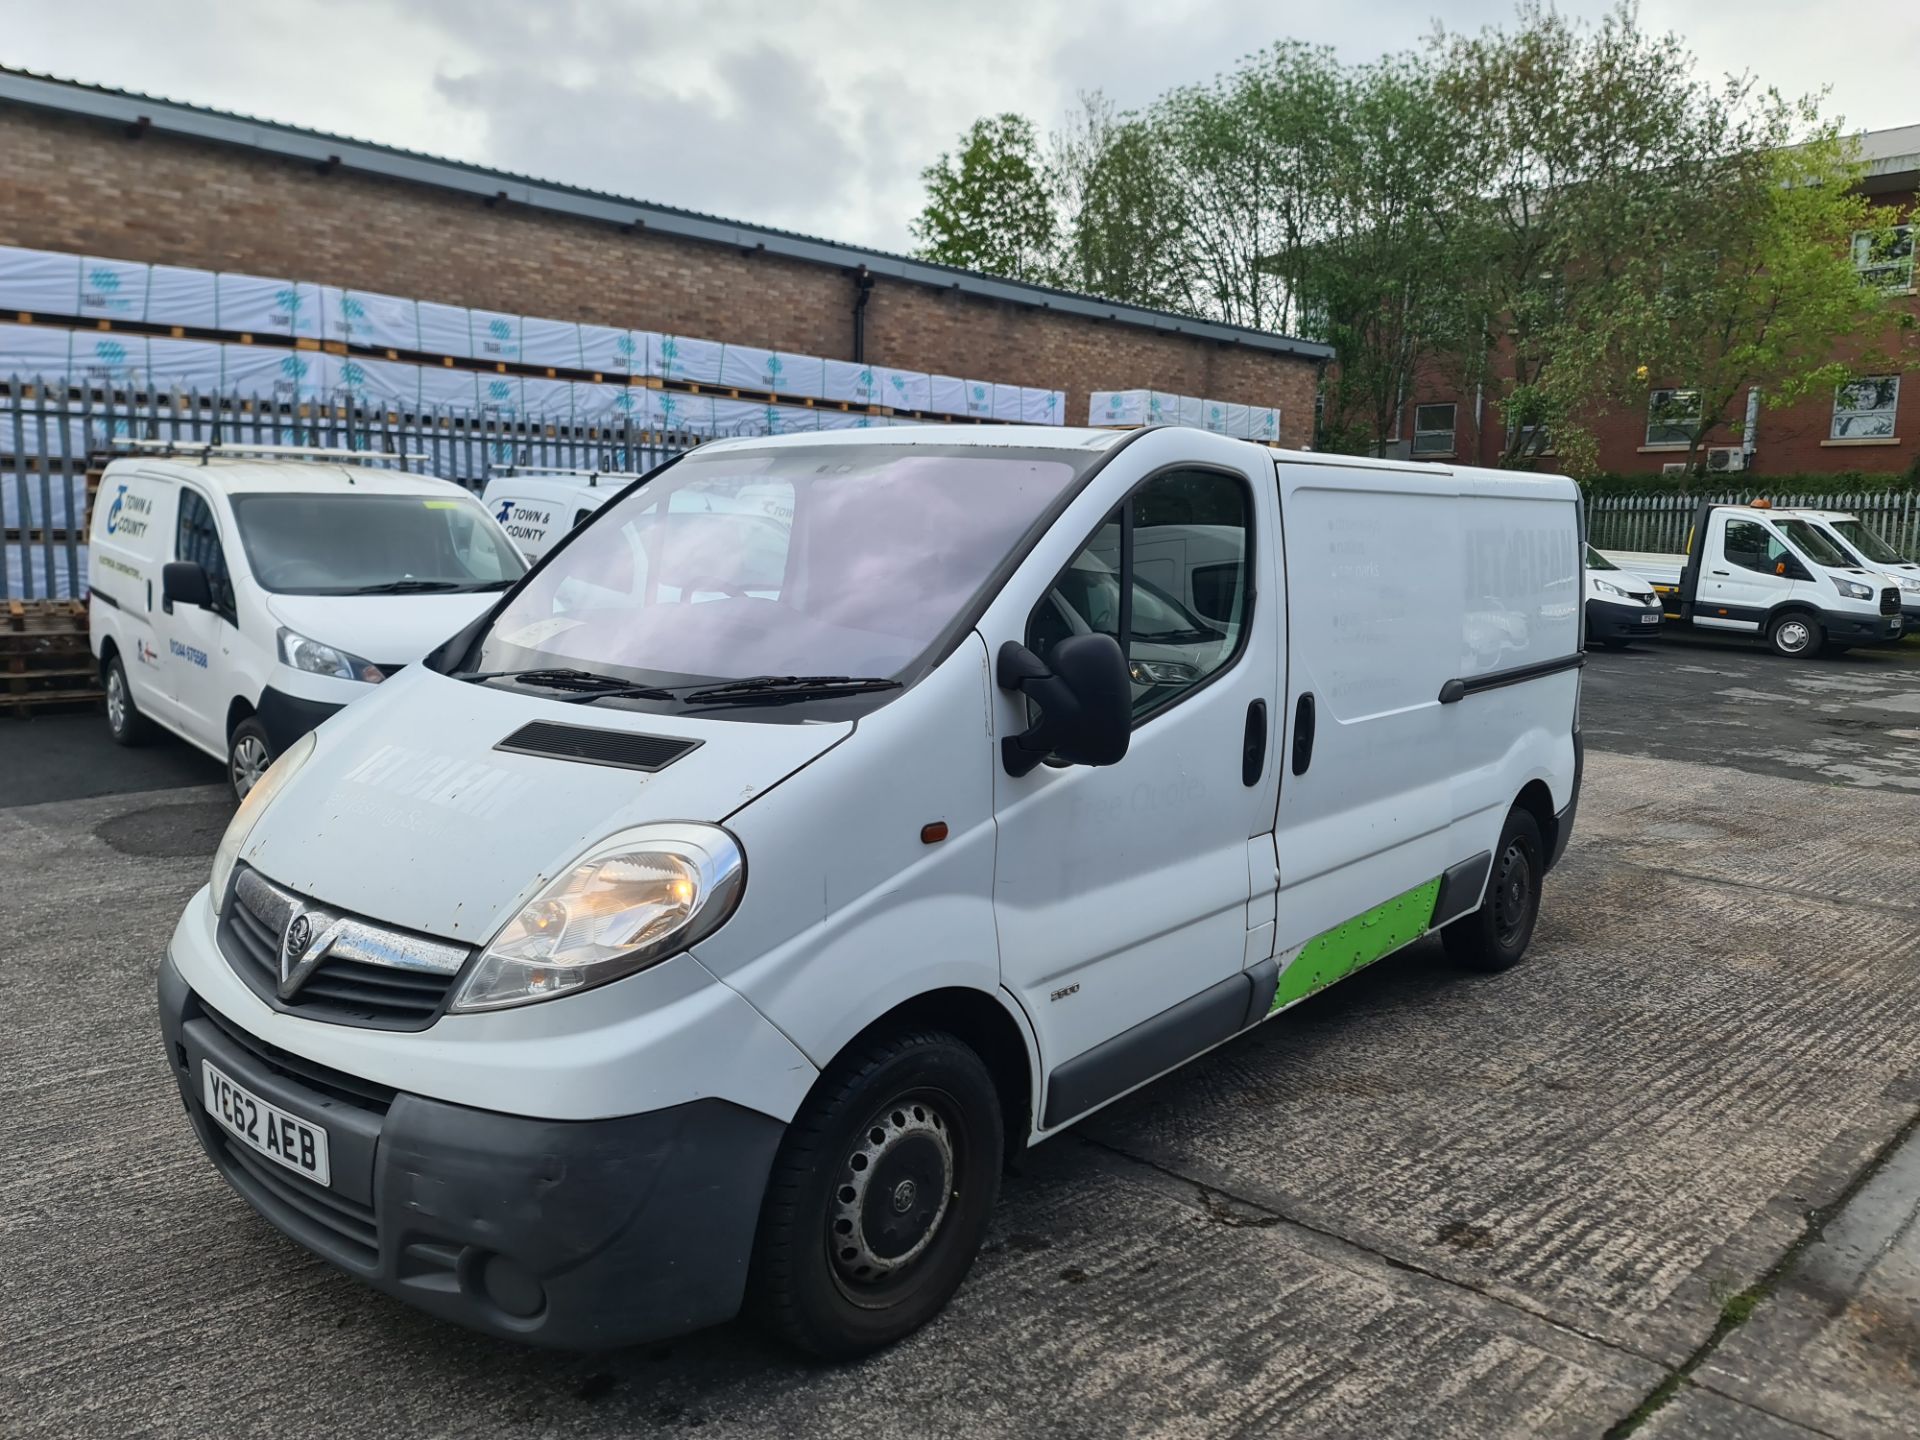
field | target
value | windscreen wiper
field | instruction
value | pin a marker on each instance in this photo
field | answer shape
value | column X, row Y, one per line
column 404, row 587
column 788, row 687
column 590, row 684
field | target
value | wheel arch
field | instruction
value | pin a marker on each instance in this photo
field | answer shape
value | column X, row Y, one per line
column 237, row 710
column 1537, row 800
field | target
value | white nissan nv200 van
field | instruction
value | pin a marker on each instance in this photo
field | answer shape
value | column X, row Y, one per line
column 537, row 507
column 240, row 598
column 705, row 922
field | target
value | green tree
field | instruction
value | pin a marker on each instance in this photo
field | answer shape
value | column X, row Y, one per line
column 1124, row 218
column 988, row 204
column 1761, row 282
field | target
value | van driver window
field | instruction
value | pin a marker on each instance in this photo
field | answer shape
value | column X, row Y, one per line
column 1189, row 559
column 1752, row 547
column 198, row 539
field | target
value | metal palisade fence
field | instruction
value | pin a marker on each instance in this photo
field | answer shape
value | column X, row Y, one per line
column 52, row 434
column 1659, row 523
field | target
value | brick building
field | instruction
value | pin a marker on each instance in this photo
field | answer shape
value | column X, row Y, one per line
column 1871, row 425
column 109, row 173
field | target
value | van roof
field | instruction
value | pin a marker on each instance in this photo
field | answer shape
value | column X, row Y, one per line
column 302, row 477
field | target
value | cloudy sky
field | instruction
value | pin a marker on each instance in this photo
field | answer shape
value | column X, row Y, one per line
column 818, row 116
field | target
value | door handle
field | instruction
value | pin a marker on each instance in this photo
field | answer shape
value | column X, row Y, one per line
column 1253, row 746
column 1723, row 572
column 1303, row 734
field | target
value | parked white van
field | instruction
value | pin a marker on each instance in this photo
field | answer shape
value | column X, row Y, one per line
column 693, row 930
column 1868, row 549
column 538, row 507
column 239, row 598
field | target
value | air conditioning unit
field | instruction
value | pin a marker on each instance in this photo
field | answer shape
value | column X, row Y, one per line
column 1723, row 458
column 1674, row 467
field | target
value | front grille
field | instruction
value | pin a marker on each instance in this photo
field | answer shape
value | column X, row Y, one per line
column 298, row 1205
column 1890, row 601
column 321, row 1079
column 341, row 989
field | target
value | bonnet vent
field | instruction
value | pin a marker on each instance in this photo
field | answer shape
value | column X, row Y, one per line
column 596, row 747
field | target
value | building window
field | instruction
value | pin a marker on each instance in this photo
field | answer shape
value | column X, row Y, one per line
column 1673, row 417
column 1433, row 429
column 1885, row 257
column 1863, row 409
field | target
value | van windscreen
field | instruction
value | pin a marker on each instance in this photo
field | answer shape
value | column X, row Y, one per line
column 847, row 560
column 348, row 544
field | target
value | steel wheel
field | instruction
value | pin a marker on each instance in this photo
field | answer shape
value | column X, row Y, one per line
column 247, row 762
column 1795, row 635
column 1511, row 893
column 893, row 1196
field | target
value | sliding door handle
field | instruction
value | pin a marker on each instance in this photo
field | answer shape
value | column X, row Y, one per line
column 1303, row 734
column 1253, row 745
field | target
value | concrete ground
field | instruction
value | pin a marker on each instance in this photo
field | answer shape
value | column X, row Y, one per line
column 1658, row 1178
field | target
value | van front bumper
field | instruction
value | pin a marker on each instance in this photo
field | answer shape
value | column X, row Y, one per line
column 1617, row 620
column 1851, row 628
column 580, row 1235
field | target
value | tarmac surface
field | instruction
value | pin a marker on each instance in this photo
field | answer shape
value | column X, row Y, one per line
column 1659, row 1179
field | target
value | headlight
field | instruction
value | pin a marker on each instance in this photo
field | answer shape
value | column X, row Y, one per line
column 632, row 901
column 1852, row 589
column 1908, row 582
column 1611, row 589
column 1162, row 672
column 317, row 659
column 250, row 811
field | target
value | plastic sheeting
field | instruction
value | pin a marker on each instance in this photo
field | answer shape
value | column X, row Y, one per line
column 608, row 351
column 670, row 411
column 1043, row 407
column 112, row 290
column 38, row 281
column 498, row 394
column 1006, row 402
column 853, row 383
column 258, row 371
column 444, row 387
column 444, row 329
column 905, row 389
column 494, row 336
column 183, row 364
column 679, row 357
column 366, row 317
column 1117, row 407
column 776, row 371
column 550, row 342
column 256, row 305
column 178, row 295
column 34, row 351
column 27, row 575
column 358, row 380
column 548, row 400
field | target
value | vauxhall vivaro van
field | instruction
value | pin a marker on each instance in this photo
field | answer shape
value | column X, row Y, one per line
column 831, row 815
column 239, row 598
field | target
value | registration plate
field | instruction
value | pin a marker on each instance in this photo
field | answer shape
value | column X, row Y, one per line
column 1650, row 619
column 285, row 1139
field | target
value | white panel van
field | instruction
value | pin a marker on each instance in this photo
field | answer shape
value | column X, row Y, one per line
column 537, row 507
column 830, row 816
column 240, row 597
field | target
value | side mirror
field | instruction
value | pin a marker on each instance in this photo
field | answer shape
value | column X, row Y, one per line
column 1085, row 701
column 184, row 582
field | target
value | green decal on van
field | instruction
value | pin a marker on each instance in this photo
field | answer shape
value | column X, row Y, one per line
column 1338, row 952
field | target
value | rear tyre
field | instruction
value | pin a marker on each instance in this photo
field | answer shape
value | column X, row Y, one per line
column 1795, row 635
column 124, row 721
column 1495, row 936
column 879, row 1195
column 249, row 753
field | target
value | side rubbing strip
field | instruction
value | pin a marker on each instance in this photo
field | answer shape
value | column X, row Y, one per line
column 1457, row 690
column 1149, row 1048
column 1266, row 978
column 1460, row 887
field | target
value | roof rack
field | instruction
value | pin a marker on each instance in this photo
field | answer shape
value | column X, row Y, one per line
column 207, row 448
column 594, row 477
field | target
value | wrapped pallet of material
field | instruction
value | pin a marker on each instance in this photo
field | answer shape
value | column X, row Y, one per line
column 375, row 384
column 28, row 575
column 269, row 373
column 906, row 389
column 1118, row 407
column 108, row 362
column 366, row 317
column 445, row 329
column 444, row 388
column 112, row 289
column 499, row 395
column 35, row 352
column 258, row 305
column 599, row 404
column 1238, row 419
column 496, row 337
column 184, row 365
column 1263, row 423
column 39, row 282
column 1192, row 412
column 846, row 420
column 1213, row 416
column 851, row 382
column 181, row 295
column 1006, row 403
column 673, row 411
column 779, row 372
column 948, row 395
column 792, row 419
column 1162, row 408
column 681, row 357
column 550, row 401
column 980, row 399
column 1042, row 407
column 608, row 351
column 549, row 342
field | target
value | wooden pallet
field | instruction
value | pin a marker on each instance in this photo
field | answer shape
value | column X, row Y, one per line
column 45, row 658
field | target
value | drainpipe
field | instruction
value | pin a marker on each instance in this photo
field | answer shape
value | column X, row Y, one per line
column 863, row 287
column 1749, row 438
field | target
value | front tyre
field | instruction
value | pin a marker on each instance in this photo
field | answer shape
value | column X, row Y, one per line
column 1495, row 936
column 879, row 1196
column 1795, row 635
column 249, row 753
column 125, row 723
